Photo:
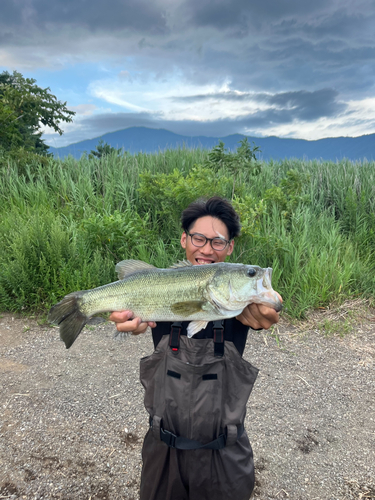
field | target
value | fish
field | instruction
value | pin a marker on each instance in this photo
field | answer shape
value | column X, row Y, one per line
column 182, row 292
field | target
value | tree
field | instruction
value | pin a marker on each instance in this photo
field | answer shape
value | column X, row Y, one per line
column 104, row 149
column 24, row 108
column 242, row 160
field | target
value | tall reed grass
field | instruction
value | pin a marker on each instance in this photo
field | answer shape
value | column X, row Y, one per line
column 65, row 224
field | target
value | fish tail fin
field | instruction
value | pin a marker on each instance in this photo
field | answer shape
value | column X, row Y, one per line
column 69, row 317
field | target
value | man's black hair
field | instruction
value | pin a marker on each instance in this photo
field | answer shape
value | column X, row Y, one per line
column 217, row 207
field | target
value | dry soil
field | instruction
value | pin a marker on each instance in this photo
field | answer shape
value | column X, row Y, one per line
column 72, row 421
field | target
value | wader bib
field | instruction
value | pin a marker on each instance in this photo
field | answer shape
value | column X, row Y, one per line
column 196, row 392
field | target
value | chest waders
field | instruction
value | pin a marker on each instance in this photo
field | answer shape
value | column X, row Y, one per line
column 196, row 392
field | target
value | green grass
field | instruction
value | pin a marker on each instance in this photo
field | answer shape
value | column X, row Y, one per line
column 64, row 224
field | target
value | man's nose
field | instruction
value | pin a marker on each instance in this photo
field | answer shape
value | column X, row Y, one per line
column 207, row 248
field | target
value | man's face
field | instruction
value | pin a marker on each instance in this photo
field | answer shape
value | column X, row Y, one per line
column 211, row 228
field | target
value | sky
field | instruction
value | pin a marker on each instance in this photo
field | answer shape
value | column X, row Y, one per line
column 287, row 68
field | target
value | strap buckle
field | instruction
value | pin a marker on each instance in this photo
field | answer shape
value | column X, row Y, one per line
column 228, row 438
column 168, row 438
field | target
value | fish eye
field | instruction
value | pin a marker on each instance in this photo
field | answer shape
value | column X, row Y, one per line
column 251, row 272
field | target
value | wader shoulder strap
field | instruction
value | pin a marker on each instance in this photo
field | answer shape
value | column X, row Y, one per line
column 218, row 337
column 218, row 329
column 174, row 336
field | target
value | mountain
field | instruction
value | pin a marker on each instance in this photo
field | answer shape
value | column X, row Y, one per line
column 148, row 140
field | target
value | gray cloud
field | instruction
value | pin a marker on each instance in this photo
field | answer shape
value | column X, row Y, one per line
column 7, row 38
column 309, row 106
column 225, row 96
column 93, row 15
column 302, row 105
column 240, row 14
column 11, row 13
column 268, row 45
column 340, row 23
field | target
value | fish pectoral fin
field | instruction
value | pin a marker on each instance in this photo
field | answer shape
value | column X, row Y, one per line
column 127, row 267
column 187, row 308
column 195, row 327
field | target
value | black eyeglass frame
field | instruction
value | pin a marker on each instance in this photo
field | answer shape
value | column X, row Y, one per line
column 208, row 239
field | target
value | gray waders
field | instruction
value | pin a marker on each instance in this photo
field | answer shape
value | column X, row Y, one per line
column 196, row 392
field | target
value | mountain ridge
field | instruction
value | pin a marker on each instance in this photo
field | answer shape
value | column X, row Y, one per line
column 150, row 140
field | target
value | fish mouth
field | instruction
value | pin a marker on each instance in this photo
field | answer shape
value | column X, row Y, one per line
column 267, row 293
column 269, row 299
column 278, row 307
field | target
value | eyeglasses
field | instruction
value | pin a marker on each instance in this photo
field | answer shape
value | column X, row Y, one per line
column 199, row 240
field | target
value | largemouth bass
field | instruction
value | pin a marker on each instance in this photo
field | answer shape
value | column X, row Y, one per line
column 182, row 292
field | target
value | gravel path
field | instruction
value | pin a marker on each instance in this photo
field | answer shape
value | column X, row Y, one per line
column 72, row 421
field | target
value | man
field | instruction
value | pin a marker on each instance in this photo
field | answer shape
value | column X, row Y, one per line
column 196, row 389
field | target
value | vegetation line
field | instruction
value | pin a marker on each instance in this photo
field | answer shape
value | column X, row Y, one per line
column 65, row 223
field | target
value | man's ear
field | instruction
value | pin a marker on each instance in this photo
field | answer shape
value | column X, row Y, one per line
column 230, row 247
column 183, row 240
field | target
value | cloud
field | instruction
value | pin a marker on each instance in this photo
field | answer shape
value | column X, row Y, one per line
column 300, row 104
column 216, row 102
column 241, row 15
column 309, row 106
column 83, row 109
column 243, row 40
column 10, row 12
column 96, row 15
column 202, row 66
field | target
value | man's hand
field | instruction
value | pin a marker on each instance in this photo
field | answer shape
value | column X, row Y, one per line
column 126, row 323
column 259, row 316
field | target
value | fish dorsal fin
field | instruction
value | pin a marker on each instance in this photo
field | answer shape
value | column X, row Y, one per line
column 181, row 263
column 126, row 267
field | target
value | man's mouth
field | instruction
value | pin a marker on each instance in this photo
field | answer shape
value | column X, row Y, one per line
column 204, row 261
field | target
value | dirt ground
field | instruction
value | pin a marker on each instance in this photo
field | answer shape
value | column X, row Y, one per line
column 72, row 421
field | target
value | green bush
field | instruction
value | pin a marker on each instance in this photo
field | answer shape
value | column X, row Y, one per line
column 118, row 234
column 289, row 194
column 164, row 196
column 43, row 259
column 23, row 160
